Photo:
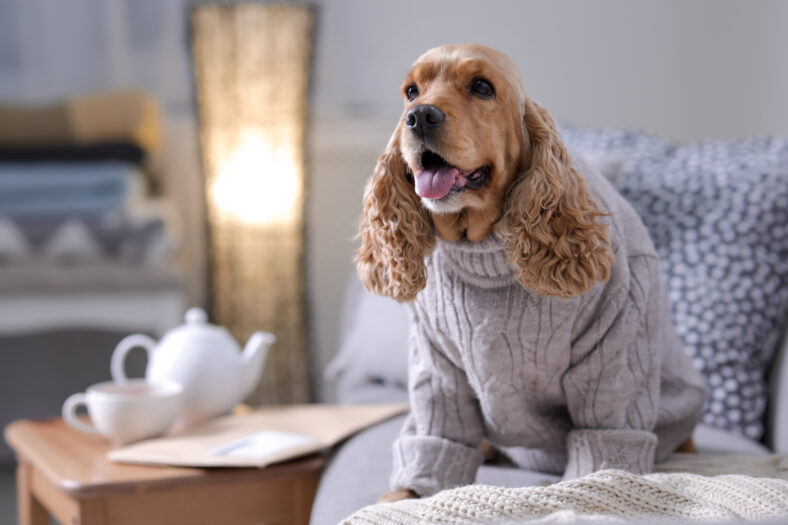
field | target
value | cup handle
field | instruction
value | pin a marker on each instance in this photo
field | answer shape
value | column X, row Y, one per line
column 119, row 355
column 70, row 413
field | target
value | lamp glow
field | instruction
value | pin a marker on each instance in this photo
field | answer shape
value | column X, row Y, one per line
column 258, row 181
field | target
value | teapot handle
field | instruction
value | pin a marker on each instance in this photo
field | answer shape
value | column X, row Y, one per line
column 119, row 355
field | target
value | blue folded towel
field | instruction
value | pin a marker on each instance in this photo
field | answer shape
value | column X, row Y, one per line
column 54, row 189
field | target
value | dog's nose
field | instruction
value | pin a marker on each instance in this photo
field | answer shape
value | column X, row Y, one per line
column 424, row 119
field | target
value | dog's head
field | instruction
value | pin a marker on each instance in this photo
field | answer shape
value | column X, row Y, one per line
column 472, row 154
column 462, row 132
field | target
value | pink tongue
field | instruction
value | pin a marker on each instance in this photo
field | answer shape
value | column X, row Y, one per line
column 435, row 184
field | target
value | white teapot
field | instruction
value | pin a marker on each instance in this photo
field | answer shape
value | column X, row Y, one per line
column 205, row 360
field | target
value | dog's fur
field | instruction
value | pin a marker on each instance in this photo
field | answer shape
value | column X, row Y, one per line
column 534, row 200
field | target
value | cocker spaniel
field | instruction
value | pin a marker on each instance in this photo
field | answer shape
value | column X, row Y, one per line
column 538, row 315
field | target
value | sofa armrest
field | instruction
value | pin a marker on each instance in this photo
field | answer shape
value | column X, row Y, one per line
column 777, row 415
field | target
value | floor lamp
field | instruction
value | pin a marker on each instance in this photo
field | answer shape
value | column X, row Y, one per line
column 251, row 69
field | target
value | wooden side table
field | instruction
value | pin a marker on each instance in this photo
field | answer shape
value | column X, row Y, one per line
column 65, row 473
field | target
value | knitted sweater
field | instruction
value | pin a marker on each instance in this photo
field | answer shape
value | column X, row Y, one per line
column 595, row 382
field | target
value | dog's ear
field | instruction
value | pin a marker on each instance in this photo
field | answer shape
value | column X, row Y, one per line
column 550, row 223
column 396, row 231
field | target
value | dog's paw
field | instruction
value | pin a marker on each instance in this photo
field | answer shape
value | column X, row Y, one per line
column 492, row 456
column 397, row 495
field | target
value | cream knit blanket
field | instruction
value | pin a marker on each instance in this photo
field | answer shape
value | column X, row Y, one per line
column 606, row 496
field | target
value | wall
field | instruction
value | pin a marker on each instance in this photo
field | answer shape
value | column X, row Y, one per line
column 681, row 69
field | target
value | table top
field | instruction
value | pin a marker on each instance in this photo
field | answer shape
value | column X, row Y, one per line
column 77, row 463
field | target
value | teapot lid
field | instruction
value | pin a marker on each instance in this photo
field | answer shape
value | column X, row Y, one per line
column 197, row 325
column 196, row 315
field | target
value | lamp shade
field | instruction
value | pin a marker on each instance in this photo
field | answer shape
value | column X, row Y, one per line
column 251, row 70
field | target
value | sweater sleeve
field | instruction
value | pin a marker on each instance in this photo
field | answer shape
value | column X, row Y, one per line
column 438, row 446
column 612, row 387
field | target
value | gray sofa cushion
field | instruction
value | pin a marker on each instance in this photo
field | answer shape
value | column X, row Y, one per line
column 777, row 415
column 357, row 474
column 372, row 363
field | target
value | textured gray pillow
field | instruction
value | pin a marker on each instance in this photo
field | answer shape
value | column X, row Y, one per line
column 372, row 363
column 718, row 214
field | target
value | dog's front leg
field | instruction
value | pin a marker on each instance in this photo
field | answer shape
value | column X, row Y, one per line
column 397, row 495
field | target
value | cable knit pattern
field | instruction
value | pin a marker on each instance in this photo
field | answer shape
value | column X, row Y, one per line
column 439, row 463
column 607, row 496
column 573, row 386
column 592, row 450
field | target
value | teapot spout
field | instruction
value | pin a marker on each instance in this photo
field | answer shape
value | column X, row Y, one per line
column 253, row 359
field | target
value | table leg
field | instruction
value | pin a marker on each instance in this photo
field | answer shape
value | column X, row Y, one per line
column 305, row 490
column 92, row 512
column 30, row 511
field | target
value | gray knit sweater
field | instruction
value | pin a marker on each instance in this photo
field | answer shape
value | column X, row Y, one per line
column 594, row 382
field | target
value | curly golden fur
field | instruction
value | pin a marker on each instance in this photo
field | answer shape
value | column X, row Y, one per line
column 532, row 197
column 396, row 231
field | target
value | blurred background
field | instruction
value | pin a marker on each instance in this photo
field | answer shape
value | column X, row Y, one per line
column 100, row 96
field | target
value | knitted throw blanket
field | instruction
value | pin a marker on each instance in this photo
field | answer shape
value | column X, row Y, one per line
column 605, row 496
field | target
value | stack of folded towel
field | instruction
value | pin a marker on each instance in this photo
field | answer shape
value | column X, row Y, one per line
column 76, row 180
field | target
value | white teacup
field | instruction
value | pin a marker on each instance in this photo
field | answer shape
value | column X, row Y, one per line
column 126, row 412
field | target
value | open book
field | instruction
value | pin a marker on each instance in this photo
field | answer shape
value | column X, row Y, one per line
column 259, row 438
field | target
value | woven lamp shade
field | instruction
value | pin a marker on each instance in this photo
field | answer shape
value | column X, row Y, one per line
column 251, row 67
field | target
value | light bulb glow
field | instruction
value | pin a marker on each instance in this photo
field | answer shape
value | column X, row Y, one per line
column 257, row 181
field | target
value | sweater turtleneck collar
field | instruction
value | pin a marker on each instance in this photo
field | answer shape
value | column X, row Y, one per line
column 482, row 263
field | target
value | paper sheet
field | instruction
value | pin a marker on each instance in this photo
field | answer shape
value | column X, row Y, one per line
column 261, row 444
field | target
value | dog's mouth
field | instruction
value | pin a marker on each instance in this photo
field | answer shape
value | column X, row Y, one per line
column 437, row 178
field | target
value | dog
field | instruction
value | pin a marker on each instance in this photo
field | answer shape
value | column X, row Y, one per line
column 538, row 317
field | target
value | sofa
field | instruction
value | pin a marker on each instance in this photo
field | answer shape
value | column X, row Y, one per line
column 718, row 214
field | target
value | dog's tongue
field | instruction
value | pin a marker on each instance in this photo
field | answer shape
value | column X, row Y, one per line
column 435, row 184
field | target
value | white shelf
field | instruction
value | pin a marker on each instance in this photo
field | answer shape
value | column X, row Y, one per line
column 120, row 298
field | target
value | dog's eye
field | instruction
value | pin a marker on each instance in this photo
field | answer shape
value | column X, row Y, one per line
column 482, row 88
column 412, row 91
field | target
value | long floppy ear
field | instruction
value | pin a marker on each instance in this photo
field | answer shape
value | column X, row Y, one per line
column 550, row 222
column 396, row 232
